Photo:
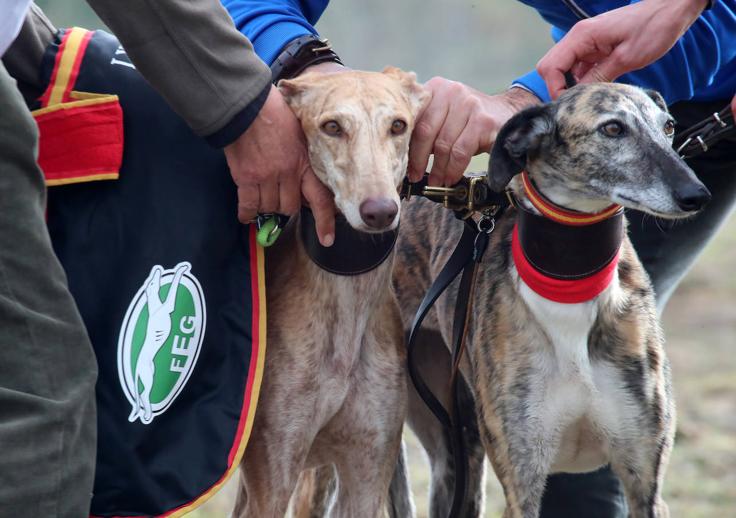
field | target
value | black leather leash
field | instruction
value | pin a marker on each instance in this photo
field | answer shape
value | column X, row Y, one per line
column 465, row 198
column 700, row 137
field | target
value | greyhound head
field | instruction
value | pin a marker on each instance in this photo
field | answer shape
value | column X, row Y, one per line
column 358, row 126
column 596, row 145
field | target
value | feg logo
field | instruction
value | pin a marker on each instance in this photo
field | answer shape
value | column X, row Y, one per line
column 160, row 340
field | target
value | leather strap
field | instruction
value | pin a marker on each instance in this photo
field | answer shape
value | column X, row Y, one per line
column 353, row 253
column 568, row 252
column 701, row 136
column 464, row 260
column 301, row 53
column 551, row 210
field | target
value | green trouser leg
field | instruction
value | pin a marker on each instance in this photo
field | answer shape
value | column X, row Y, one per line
column 47, row 367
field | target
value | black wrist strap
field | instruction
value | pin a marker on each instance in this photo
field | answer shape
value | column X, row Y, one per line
column 301, row 53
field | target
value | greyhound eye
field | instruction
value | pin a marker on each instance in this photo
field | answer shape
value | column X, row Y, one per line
column 398, row 127
column 332, row 128
column 612, row 129
column 669, row 128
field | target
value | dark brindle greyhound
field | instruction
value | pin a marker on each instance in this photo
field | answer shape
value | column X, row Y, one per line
column 564, row 353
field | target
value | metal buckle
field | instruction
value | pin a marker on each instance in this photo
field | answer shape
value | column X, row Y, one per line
column 326, row 45
column 683, row 146
column 717, row 117
column 459, row 198
column 702, row 143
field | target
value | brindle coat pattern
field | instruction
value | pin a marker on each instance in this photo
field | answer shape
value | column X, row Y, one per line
column 510, row 350
column 334, row 386
column 500, row 343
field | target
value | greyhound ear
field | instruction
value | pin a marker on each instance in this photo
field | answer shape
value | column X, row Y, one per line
column 293, row 91
column 415, row 92
column 522, row 136
column 657, row 98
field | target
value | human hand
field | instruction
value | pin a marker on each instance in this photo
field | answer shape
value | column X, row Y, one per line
column 457, row 123
column 606, row 46
column 271, row 170
column 733, row 106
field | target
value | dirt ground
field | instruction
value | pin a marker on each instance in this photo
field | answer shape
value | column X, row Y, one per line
column 700, row 323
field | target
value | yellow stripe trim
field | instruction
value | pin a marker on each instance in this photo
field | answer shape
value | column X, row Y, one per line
column 256, row 389
column 82, row 179
column 97, row 99
column 542, row 207
column 66, row 64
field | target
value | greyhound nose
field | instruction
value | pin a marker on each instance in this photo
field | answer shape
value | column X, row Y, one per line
column 692, row 198
column 378, row 213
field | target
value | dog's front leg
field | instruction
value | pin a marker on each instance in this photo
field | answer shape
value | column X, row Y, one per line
column 640, row 461
column 282, row 436
column 521, row 441
column 267, row 478
column 521, row 460
column 364, row 438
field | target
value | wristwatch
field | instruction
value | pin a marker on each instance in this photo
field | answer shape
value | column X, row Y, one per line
column 301, row 53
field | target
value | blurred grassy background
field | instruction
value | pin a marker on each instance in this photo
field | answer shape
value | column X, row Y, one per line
column 486, row 44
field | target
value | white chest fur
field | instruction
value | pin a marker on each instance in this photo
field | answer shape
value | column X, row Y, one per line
column 580, row 404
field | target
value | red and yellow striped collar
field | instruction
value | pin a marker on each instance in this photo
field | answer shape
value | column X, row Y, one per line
column 559, row 214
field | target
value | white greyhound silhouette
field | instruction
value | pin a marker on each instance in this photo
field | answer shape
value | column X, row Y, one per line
column 157, row 332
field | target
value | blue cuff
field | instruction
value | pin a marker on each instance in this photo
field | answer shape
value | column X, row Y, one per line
column 240, row 122
column 269, row 43
column 535, row 84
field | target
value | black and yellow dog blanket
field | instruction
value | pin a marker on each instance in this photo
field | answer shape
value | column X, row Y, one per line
column 142, row 214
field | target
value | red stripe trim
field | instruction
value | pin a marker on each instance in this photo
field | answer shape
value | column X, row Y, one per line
column 255, row 333
column 560, row 290
column 55, row 71
column 559, row 214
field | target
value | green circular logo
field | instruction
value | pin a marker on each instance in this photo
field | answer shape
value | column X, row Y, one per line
column 160, row 340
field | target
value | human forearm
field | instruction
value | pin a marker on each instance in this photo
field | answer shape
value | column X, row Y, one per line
column 193, row 55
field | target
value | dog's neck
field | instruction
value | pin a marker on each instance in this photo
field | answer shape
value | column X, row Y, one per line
column 563, row 255
column 353, row 253
column 348, row 302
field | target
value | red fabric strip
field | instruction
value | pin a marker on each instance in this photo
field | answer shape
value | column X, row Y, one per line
column 81, row 141
column 559, row 290
column 256, row 343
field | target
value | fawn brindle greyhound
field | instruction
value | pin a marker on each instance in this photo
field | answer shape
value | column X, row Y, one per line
column 334, row 388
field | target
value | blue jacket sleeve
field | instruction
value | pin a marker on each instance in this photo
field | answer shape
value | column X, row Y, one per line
column 688, row 69
column 270, row 25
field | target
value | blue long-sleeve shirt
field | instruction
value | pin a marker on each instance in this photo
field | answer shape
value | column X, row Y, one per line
column 701, row 66
column 270, row 25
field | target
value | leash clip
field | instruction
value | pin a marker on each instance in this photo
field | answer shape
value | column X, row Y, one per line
column 269, row 227
column 486, row 224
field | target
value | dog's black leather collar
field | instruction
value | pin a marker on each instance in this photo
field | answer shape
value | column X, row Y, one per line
column 568, row 252
column 353, row 253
